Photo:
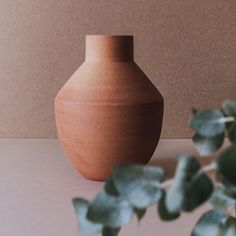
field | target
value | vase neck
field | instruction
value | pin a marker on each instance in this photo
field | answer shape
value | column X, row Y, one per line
column 109, row 48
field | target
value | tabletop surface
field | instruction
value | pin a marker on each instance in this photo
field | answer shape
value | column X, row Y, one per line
column 37, row 184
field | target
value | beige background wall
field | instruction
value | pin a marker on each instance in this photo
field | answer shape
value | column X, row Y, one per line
column 186, row 47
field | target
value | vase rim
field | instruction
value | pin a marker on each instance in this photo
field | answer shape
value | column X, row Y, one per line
column 110, row 35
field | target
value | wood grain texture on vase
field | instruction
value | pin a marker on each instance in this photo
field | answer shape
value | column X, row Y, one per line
column 108, row 113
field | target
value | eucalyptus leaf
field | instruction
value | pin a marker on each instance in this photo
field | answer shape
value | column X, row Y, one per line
column 228, row 125
column 221, row 199
column 198, row 192
column 214, row 223
column 131, row 189
column 163, row 212
column 108, row 231
column 109, row 210
column 208, row 122
column 230, row 226
column 227, row 166
column 110, row 188
column 208, row 145
column 140, row 212
column 189, row 189
column 229, row 108
column 232, row 133
column 140, row 185
column 194, row 111
column 86, row 227
column 186, row 169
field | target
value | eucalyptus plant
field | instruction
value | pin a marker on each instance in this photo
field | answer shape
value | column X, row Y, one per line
column 133, row 188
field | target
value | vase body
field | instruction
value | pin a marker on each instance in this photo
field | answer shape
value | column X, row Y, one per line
column 108, row 113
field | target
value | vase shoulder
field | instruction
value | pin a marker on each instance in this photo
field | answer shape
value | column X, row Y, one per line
column 109, row 83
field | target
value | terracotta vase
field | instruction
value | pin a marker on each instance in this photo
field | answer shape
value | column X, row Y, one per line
column 108, row 113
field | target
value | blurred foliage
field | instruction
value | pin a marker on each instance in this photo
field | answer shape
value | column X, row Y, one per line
column 132, row 189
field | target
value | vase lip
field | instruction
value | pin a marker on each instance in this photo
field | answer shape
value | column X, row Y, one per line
column 110, row 35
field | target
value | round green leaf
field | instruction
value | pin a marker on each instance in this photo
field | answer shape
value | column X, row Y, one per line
column 214, row 223
column 208, row 122
column 208, row 145
column 140, row 212
column 221, row 199
column 140, row 185
column 232, row 133
column 86, row 227
column 229, row 107
column 108, row 231
column 189, row 189
column 230, row 226
column 194, row 111
column 109, row 210
column 110, row 188
column 227, row 166
column 186, row 169
column 164, row 214
column 198, row 192
column 211, row 223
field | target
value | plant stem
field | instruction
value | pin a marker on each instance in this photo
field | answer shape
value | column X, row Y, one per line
column 167, row 183
column 227, row 119
column 207, row 168
column 204, row 169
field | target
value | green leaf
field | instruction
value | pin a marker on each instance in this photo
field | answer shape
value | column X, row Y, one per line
column 86, row 227
column 210, row 223
column 232, row 133
column 189, row 189
column 208, row 122
column 139, row 184
column 221, row 199
column 229, row 108
column 108, row 231
column 227, row 166
column 194, row 111
column 164, row 214
column 140, row 213
column 230, row 226
column 187, row 168
column 109, row 210
column 198, row 192
column 208, row 145
column 214, row 223
column 110, row 188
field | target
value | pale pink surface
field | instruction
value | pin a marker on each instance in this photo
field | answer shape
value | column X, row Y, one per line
column 37, row 184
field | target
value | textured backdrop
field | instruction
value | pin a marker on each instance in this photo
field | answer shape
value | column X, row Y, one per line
column 186, row 47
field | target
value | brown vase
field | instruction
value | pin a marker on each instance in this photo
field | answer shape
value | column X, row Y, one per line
column 108, row 113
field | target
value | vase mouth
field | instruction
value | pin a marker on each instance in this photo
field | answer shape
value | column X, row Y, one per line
column 109, row 36
column 109, row 47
